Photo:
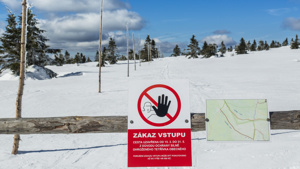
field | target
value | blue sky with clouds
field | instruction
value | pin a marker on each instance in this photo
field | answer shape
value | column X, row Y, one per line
column 74, row 24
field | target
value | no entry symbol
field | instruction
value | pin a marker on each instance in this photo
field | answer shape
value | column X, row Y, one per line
column 160, row 106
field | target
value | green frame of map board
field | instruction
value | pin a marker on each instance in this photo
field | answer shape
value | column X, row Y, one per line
column 237, row 120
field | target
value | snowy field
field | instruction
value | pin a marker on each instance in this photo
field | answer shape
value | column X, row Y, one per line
column 273, row 75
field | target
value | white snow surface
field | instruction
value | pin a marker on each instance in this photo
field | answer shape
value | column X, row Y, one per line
column 273, row 75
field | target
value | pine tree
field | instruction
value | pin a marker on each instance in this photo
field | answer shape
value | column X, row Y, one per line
column 295, row 44
column 68, row 59
column 248, row 45
column 253, row 46
column 144, row 51
column 154, row 51
column 212, row 50
column 222, row 48
column 97, row 56
column 176, row 51
column 82, row 58
column 272, row 45
column 77, row 59
column 103, row 57
column 266, row 46
column 230, row 49
column 35, row 46
column 88, row 60
column 36, row 42
column 261, row 45
column 59, row 59
column 285, row 42
column 193, row 48
column 204, row 48
column 11, row 45
column 130, row 54
column 241, row 48
column 111, row 53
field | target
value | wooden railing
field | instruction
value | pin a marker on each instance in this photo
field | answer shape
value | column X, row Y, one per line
column 117, row 124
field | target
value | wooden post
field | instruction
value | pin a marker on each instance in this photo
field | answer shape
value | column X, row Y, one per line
column 127, row 50
column 150, row 46
column 139, row 50
column 133, row 51
column 22, row 75
column 100, row 42
column 148, row 53
column 117, row 124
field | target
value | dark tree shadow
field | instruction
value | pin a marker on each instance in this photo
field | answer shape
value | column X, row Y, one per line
column 70, row 149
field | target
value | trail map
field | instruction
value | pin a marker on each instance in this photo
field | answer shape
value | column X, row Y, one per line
column 237, row 120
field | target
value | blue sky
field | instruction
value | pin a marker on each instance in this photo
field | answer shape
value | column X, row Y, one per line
column 74, row 24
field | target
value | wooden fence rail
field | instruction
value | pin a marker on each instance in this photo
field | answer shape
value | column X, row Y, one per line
column 116, row 124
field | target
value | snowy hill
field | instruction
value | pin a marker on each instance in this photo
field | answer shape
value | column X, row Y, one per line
column 272, row 75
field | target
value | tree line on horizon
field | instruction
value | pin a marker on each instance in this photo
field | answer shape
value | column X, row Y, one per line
column 38, row 53
column 208, row 50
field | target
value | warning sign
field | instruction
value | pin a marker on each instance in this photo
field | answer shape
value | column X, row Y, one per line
column 159, row 128
column 159, row 108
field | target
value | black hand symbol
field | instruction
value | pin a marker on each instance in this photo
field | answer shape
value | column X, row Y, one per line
column 163, row 107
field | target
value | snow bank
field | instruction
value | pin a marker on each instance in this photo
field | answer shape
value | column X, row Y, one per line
column 32, row 72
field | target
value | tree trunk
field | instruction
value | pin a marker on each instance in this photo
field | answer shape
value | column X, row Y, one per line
column 22, row 74
column 118, row 124
column 100, row 42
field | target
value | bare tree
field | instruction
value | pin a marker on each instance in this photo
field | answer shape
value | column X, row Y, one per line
column 22, row 74
column 100, row 42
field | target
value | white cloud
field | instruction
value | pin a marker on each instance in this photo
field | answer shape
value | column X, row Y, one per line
column 278, row 12
column 84, row 27
column 292, row 23
column 217, row 39
column 74, row 25
column 69, row 5
column 14, row 4
column 76, row 5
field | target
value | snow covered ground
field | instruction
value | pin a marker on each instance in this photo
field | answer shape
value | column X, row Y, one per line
column 273, row 75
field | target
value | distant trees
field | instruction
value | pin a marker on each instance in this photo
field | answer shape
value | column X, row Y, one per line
column 261, row 45
column 209, row 50
column 193, row 48
column 275, row 44
column 79, row 58
column 285, row 42
column 222, row 48
column 111, row 51
column 266, row 46
column 241, row 48
column 145, row 50
column 295, row 44
column 253, row 46
column 149, row 50
column 230, row 49
column 176, row 51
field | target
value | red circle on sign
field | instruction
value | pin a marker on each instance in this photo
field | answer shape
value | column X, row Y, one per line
column 144, row 93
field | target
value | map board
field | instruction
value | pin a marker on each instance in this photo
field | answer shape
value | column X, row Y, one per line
column 237, row 120
column 159, row 127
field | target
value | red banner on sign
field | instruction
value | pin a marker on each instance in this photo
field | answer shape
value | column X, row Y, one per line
column 159, row 147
